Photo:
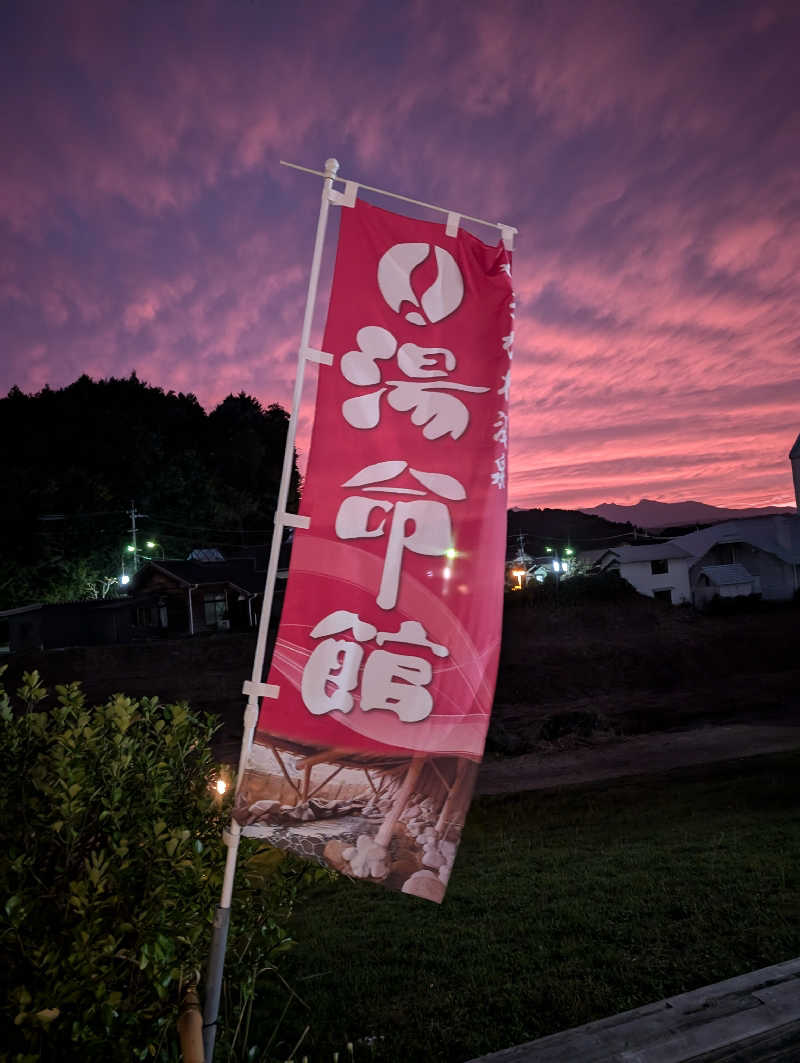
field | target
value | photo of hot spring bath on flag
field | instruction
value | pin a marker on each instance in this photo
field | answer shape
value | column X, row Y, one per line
column 387, row 651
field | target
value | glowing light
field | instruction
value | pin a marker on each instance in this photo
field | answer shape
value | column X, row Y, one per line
column 221, row 786
column 446, row 573
column 450, row 553
column 124, row 579
column 150, row 544
column 569, row 551
column 131, row 549
column 518, row 572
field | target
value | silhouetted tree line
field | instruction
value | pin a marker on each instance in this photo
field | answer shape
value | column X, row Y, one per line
column 75, row 457
column 561, row 527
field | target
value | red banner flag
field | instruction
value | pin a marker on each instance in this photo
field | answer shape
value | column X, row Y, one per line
column 387, row 651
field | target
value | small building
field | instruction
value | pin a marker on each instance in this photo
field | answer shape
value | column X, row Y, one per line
column 56, row 625
column 724, row 581
column 208, row 591
column 194, row 596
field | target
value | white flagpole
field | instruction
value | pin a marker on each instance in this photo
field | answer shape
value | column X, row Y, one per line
column 256, row 687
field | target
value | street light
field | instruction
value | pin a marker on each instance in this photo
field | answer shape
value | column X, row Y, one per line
column 151, row 544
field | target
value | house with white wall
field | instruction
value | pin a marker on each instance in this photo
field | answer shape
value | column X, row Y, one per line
column 660, row 570
column 756, row 555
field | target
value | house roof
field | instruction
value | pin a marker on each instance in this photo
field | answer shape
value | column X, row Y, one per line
column 206, row 554
column 726, row 575
column 240, row 573
column 777, row 534
column 591, row 557
column 260, row 554
column 652, row 552
column 795, row 451
column 92, row 604
column 22, row 609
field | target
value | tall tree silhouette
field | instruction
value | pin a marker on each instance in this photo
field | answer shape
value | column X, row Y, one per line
column 73, row 458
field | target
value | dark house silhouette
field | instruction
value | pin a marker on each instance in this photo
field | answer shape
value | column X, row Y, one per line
column 207, row 592
column 55, row 625
column 168, row 599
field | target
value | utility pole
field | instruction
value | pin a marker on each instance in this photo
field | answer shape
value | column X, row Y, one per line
column 133, row 515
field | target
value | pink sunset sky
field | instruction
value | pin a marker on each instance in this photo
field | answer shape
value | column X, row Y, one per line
column 648, row 153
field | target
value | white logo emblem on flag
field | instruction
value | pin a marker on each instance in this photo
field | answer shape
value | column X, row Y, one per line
column 438, row 301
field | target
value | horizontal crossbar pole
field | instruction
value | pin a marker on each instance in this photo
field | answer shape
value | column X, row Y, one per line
column 406, row 199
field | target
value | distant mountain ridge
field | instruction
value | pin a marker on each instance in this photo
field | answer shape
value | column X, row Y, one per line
column 648, row 513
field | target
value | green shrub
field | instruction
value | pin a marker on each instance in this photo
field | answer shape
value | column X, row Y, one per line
column 111, row 862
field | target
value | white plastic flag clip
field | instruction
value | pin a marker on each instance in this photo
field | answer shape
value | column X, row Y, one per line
column 346, row 198
column 294, row 520
column 508, row 232
column 453, row 221
column 311, row 354
column 260, row 690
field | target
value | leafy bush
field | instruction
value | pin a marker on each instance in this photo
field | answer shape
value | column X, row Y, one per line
column 111, row 862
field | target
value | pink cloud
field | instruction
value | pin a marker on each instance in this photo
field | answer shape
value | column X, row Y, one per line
column 145, row 224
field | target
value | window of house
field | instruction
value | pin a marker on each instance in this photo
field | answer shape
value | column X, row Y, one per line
column 664, row 595
column 146, row 616
column 659, row 568
column 214, row 606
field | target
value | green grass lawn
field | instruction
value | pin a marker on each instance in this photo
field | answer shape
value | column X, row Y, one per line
column 563, row 907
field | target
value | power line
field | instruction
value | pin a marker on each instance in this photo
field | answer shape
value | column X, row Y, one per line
column 637, row 532
column 82, row 514
column 213, row 528
column 155, row 519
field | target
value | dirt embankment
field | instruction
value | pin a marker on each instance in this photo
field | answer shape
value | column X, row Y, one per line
column 608, row 690
column 572, row 677
column 645, row 666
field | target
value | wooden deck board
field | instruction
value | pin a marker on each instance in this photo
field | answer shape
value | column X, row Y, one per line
column 752, row 1017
